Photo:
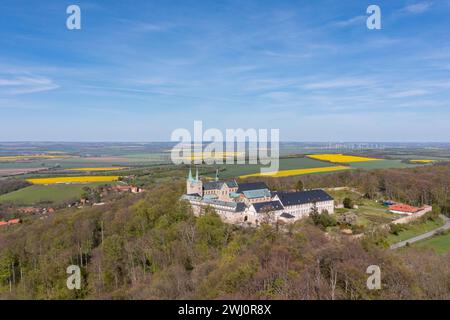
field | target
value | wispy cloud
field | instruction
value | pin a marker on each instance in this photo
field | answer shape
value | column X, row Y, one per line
column 409, row 93
column 417, row 8
column 350, row 22
column 150, row 27
column 279, row 96
column 338, row 83
column 26, row 84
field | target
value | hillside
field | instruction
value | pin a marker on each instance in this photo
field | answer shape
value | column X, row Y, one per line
column 152, row 247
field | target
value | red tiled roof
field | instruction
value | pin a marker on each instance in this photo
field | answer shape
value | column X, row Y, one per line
column 13, row 221
column 122, row 187
column 403, row 208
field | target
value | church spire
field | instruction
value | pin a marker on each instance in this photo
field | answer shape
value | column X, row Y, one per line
column 190, row 174
column 217, row 174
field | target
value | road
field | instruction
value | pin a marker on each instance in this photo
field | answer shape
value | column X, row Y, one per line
column 423, row 236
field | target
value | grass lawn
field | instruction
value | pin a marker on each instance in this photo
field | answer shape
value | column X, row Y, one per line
column 415, row 230
column 56, row 194
column 441, row 244
column 340, row 194
column 369, row 215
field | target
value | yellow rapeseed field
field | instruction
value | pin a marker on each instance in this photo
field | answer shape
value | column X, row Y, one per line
column 339, row 157
column 98, row 169
column 30, row 157
column 82, row 179
column 295, row 172
column 422, row 161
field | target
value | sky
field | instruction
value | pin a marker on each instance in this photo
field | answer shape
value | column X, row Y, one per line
column 138, row 70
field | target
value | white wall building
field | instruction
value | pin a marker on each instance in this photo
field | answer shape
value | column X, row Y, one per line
column 253, row 203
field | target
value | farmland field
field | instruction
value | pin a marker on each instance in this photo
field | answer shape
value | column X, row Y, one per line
column 340, row 158
column 296, row 172
column 60, row 180
column 4, row 172
column 55, row 194
column 30, row 157
column 235, row 170
column 422, row 161
column 98, row 169
column 381, row 164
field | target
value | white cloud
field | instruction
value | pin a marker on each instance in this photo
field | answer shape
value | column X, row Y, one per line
column 417, row 8
column 150, row 27
column 26, row 84
column 278, row 95
column 409, row 93
column 350, row 22
column 338, row 83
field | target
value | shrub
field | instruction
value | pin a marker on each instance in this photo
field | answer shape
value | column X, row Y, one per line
column 395, row 229
column 347, row 203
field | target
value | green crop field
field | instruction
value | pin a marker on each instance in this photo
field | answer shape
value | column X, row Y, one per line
column 441, row 243
column 228, row 171
column 235, row 170
column 55, row 194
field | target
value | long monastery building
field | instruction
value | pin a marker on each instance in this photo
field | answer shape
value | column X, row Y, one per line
column 253, row 203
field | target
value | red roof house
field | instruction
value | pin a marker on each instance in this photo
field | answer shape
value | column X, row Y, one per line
column 12, row 221
column 403, row 209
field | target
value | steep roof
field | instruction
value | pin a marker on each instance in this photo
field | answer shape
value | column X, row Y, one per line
column 251, row 186
column 259, row 193
column 268, row 205
column 217, row 185
column 302, row 197
column 231, row 184
column 212, row 185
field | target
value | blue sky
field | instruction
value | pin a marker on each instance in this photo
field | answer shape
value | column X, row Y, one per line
column 137, row 70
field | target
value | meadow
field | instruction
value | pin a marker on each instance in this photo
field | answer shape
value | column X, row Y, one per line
column 415, row 229
column 52, row 194
column 440, row 243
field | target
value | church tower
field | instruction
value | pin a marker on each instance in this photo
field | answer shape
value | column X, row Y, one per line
column 194, row 185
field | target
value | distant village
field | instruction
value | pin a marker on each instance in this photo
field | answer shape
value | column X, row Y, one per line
column 45, row 211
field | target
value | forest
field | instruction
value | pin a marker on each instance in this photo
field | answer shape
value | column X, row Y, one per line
column 150, row 246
